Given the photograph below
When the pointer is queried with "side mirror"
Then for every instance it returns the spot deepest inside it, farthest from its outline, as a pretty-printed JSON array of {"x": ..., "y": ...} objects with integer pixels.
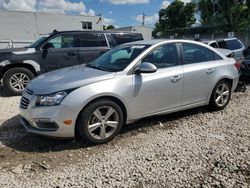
[
  {"x": 146, "y": 67},
  {"x": 48, "y": 45}
]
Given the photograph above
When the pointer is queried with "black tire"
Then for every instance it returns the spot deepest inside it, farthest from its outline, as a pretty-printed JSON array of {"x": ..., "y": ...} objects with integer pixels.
[
  {"x": 88, "y": 113},
  {"x": 213, "y": 104},
  {"x": 9, "y": 74}
]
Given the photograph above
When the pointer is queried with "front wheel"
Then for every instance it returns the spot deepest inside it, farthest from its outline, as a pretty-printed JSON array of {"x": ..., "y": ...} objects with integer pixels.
[
  {"x": 100, "y": 122},
  {"x": 221, "y": 95},
  {"x": 16, "y": 79}
]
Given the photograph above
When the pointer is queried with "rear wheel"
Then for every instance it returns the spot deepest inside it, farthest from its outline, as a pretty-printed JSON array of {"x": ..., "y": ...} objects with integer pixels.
[
  {"x": 221, "y": 95},
  {"x": 15, "y": 80},
  {"x": 100, "y": 122}
]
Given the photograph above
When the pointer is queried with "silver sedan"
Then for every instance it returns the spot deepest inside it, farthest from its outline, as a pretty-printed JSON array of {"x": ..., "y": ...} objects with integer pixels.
[{"x": 130, "y": 82}]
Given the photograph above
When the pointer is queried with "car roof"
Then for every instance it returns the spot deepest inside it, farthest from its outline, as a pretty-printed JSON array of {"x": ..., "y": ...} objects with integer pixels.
[
  {"x": 93, "y": 31},
  {"x": 158, "y": 41},
  {"x": 218, "y": 40}
]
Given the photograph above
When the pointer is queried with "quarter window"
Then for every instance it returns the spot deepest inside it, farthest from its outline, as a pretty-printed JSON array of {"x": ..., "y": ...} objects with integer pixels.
[
  {"x": 194, "y": 53},
  {"x": 61, "y": 41},
  {"x": 163, "y": 56},
  {"x": 86, "y": 25},
  {"x": 92, "y": 40}
]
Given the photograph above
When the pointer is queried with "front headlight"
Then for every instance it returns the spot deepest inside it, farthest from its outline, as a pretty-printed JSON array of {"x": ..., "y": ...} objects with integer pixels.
[{"x": 52, "y": 99}]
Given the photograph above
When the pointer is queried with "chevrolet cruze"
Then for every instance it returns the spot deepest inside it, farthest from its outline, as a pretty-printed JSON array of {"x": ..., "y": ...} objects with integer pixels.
[{"x": 130, "y": 82}]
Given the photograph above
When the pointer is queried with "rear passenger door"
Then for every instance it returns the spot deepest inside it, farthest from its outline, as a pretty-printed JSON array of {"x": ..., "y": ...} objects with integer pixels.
[
  {"x": 199, "y": 65},
  {"x": 91, "y": 46}
]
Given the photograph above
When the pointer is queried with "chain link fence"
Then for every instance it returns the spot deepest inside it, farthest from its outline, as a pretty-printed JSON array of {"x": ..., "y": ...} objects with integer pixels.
[{"x": 14, "y": 43}]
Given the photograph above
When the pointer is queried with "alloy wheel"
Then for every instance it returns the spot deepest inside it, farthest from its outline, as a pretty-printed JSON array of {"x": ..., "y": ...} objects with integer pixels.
[
  {"x": 222, "y": 94},
  {"x": 103, "y": 122},
  {"x": 19, "y": 81}
]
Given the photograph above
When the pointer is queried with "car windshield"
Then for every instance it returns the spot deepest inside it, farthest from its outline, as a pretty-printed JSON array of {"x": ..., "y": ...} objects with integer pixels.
[
  {"x": 117, "y": 59},
  {"x": 37, "y": 42}
]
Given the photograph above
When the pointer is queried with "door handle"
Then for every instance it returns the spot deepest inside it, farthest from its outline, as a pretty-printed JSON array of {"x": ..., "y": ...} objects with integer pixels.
[
  {"x": 209, "y": 71},
  {"x": 72, "y": 53},
  {"x": 175, "y": 78}
]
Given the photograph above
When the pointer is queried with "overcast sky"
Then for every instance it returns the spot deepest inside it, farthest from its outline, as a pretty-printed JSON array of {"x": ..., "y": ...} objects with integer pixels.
[{"x": 116, "y": 12}]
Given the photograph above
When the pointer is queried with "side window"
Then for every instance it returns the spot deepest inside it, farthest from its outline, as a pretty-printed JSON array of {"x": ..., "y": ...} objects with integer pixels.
[
  {"x": 214, "y": 45},
  {"x": 163, "y": 56},
  {"x": 61, "y": 41},
  {"x": 111, "y": 40},
  {"x": 124, "y": 38},
  {"x": 194, "y": 53},
  {"x": 91, "y": 40}
]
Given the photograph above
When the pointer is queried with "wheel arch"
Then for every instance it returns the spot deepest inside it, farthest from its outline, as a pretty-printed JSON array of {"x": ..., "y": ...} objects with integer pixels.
[
  {"x": 229, "y": 79},
  {"x": 19, "y": 65},
  {"x": 106, "y": 97}
]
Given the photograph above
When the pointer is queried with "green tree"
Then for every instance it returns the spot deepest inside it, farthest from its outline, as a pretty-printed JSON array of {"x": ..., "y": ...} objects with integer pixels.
[
  {"x": 177, "y": 15},
  {"x": 157, "y": 32},
  {"x": 108, "y": 27},
  {"x": 229, "y": 15}
]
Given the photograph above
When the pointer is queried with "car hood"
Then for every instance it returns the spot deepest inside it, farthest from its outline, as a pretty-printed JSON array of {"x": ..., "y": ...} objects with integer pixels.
[
  {"x": 67, "y": 78},
  {"x": 6, "y": 50}
]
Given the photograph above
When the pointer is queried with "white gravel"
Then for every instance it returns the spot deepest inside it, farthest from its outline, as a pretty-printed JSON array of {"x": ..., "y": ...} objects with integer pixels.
[{"x": 195, "y": 148}]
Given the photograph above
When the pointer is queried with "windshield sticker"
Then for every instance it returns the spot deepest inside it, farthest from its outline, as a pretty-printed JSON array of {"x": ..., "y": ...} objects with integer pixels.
[{"x": 138, "y": 47}]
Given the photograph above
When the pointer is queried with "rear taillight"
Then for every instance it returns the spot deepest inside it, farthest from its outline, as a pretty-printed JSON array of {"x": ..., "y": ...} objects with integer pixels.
[{"x": 237, "y": 64}]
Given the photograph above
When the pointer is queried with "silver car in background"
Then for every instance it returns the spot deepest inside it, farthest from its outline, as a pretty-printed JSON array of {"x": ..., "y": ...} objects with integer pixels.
[{"x": 130, "y": 82}]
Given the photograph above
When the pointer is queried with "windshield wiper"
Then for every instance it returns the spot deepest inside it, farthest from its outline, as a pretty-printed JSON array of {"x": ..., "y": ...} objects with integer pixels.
[{"x": 98, "y": 68}]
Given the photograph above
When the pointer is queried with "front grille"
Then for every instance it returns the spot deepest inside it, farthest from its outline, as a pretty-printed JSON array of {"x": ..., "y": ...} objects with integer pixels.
[
  {"x": 29, "y": 91},
  {"x": 24, "y": 103}
]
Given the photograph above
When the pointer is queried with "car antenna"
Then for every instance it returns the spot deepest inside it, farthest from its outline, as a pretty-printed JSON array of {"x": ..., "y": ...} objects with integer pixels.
[{"x": 54, "y": 31}]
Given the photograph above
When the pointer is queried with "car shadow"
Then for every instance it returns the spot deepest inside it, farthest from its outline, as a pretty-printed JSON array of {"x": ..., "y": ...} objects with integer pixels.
[
  {"x": 3, "y": 93},
  {"x": 14, "y": 136}
]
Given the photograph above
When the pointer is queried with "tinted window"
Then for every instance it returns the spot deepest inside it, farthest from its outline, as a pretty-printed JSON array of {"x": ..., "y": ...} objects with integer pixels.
[
  {"x": 118, "y": 58},
  {"x": 163, "y": 56},
  {"x": 194, "y": 53},
  {"x": 234, "y": 44},
  {"x": 214, "y": 45},
  {"x": 112, "y": 42},
  {"x": 91, "y": 40},
  {"x": 127, "y": 37},
  {"x": 61, "y": 41},
  {"x": 230, "y": 44}
]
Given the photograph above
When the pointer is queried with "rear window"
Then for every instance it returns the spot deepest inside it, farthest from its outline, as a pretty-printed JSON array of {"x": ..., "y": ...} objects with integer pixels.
[
  {"x": 230, "y": 44},
  {"x": 124, "y": 38},
  {"x": 91, "y": 40}
]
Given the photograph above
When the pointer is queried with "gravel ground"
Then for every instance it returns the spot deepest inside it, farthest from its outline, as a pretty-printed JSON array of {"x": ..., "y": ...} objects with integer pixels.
[{"x": 194, "y": 148}]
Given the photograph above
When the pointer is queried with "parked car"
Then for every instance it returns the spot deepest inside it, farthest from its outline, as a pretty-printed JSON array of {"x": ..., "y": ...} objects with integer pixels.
[
  {"x": 130, "y": 82},
  {"x": 232, "y": 44},
  {"x": 245, "y": 66},
  {"x": 59, "y": 50}
]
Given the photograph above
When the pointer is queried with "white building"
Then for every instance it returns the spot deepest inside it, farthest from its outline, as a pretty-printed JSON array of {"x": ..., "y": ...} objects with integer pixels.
[
  {"x": 20, "y": 28},
  {"x": 145, "y": 31}
]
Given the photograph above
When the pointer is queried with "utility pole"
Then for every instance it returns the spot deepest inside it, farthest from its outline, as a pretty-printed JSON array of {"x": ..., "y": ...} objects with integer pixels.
[{"x": 143, "y": 18}]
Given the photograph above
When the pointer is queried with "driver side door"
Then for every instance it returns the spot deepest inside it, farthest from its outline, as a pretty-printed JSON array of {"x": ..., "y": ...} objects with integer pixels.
[
  {"x": 160, "y": 91},
  {"x": 59, "y": 52}
]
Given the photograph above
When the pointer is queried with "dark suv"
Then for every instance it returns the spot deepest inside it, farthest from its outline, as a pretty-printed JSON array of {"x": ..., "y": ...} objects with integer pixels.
[{"x": 61, "y": 49}]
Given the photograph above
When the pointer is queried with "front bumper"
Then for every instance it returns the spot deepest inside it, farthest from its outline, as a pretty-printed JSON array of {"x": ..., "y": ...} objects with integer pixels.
[{"x": 48, "y": 121}]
